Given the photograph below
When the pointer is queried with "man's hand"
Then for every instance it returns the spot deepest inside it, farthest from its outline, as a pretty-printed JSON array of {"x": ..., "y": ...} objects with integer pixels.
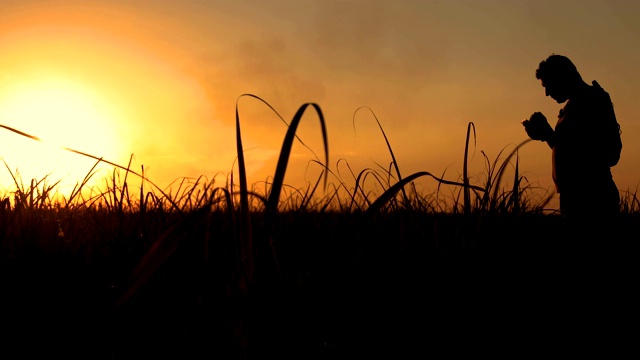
[{"x": 537, "y": 127}]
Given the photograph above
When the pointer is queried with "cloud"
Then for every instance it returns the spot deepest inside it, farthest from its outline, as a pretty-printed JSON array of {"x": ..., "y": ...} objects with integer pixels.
[{"x": 381, "y": 38}]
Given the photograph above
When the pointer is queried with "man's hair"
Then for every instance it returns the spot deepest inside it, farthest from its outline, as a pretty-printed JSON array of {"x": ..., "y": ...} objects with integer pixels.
[{"x": 557, "y": 67}]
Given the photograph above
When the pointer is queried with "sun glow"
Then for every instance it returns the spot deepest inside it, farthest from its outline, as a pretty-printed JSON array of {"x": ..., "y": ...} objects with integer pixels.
[{"x": 63, "y": 114}]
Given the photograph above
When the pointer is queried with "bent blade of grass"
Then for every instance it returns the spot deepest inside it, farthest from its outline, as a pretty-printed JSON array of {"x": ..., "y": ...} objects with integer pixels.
[
  {"x": 77, "y": 189},
  {"x": 393, "y": 157},
  {"x": 516, "y": 189},
  {"x": 500, "y": 173},
  {"x": 244, "y": 230},
  {"x": 125, "y": 187},
  {"x": 143, "y": 201},
  {"x": 285, "y": 151},
  {"x": 273, "y": 199},
  {"x": 362, "y": 176},
  {"x": 465, "y": 171},
  {"x": 245, "y": 223},
  {"x": 310, "y": 193},
  {"x": 393, "y": 190}
]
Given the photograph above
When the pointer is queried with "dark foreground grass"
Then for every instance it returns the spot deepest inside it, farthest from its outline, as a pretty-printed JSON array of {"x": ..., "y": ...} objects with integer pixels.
[
  {"x": 210, "y": 271},
  {"x": 343, "y": 285}
]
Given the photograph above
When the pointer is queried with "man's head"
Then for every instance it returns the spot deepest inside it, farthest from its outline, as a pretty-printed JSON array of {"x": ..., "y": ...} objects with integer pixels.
[{"x": 559, "y": 76}]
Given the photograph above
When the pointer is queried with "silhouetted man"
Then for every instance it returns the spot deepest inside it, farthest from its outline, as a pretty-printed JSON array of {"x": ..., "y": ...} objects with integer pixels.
[{"x": 585, "y": 145}]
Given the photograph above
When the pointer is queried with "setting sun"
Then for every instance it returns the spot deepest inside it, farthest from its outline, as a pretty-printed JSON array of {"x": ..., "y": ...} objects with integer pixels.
[
  {"x": 63, "y": 114},
  {"x": 319, "y": 178}
]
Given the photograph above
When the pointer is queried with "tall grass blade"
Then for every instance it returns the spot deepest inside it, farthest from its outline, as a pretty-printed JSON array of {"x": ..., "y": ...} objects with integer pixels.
[
  {"x": 393, "y": 157},
  {"x": 516, "y": 189},
  {"x": 285, "y": 152},
  {"x": 465, "y": 171},
  {"x": 500, "y": 173},
  {"x": 245, "y": 223},
  {"x": 246, "y": 237},
  {"x": 77, "y": 189}
]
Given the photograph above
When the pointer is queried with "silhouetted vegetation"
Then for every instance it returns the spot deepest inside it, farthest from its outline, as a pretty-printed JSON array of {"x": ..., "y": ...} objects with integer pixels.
[{"x": 220, "y": 270}]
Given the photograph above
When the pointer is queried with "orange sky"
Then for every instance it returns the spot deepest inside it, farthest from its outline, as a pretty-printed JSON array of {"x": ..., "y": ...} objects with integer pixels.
[{"x": 160, "y": 79}]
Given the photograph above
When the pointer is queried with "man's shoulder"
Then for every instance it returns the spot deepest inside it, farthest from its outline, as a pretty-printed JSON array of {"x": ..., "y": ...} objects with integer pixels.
[
  {"x": 594, "y": 97},
  {"x": 598, "y": 91}
]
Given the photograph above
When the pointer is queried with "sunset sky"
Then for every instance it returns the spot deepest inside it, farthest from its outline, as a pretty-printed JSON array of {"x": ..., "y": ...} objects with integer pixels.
[{"x": 160, "y": 80}]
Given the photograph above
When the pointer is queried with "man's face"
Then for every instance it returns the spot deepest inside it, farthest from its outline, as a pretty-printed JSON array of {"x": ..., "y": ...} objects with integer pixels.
[{"x": 555, "y": 89}]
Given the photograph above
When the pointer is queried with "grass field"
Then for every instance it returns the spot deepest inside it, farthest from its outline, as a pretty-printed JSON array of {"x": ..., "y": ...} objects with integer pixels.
[{"x": 225, "y": 272}]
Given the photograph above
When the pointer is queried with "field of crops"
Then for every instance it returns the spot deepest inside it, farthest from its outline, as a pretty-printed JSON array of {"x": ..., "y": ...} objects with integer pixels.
[{"x": 219, "y": 271}]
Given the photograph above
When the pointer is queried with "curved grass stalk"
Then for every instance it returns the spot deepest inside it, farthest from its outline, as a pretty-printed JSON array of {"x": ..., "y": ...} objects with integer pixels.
[
  {"x": 125, "y": 187},
  {"x": 465, "y": 171},
  {"x": 77, "y": 189},
  {"x": 393, "y": 157},
  {"x": 278, "y": 179},
  {"x": 504, "y": 165},
  {"x": 274, "y": 195},
  {"x": 393, "y": 190},
  {"x": 308, "y": 196},
  {"x": 362, "y": 176},
  {"x": 516, "y": 188}
]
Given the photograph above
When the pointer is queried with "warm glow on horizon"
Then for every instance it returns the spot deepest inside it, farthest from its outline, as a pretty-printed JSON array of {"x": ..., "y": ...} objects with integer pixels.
[
  {"x": 159, "y": 80},
  {"x": 62, "y": 114},
  {"x": 98, "y": 81}
]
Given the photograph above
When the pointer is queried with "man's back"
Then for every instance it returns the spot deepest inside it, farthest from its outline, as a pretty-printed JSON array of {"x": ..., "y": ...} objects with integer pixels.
[{"x": 587, "y": 141}]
